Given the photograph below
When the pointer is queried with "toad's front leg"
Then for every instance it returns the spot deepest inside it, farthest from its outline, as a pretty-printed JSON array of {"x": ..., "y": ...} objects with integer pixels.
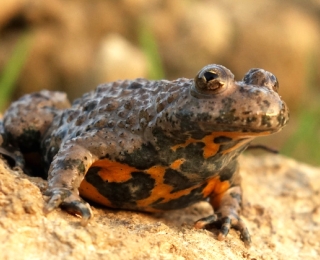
[
  {"x": 66, "y": 172},
  {"x": 227, "y": 206}
]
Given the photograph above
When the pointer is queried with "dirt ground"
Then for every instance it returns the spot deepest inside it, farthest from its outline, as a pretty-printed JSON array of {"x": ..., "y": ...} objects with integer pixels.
[{"x": 281, "y": 210}]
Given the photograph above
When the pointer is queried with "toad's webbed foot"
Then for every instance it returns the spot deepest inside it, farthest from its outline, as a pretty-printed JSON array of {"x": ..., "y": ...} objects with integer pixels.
[
  {"x": 225, "y": 222},
  {"x": 68, "y": 200}
]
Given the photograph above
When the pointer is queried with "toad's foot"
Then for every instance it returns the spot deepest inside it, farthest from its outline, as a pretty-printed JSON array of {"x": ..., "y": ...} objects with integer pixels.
[
  {"x": 225, "y": 222},
  {"x": 15, "y": 157},
  {"x": 70, "y": 201}
]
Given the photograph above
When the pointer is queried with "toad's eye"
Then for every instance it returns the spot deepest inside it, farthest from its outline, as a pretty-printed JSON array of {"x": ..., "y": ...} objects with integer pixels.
[
  {"x": 209, "y": 75},
  {"x": 212, "y": 79},
  {"x": 275, "y": 83},
  {"x": 260, "y": 77}
]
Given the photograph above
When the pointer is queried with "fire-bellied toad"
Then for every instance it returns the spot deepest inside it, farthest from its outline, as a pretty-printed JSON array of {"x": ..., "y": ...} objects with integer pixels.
[{"x": 150, "y": 145}]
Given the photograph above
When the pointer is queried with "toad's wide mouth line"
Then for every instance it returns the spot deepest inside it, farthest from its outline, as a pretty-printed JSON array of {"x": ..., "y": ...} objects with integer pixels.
[{"x": 241, "y": 129}]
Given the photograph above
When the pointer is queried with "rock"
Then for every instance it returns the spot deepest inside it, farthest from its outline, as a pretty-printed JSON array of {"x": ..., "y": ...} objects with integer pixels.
[
  {"x": 191, "y": 35},
  {"x": 8, "y": 9},
  {"x": 281, "y": 209},
  {"x": 117, "y": 57}
]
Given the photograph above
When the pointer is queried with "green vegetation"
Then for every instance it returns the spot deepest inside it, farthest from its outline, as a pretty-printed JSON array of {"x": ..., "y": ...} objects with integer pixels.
[
  {"x": 149, "y": 46},
  {"x": 12, "y": 70},
  {"x": 305, "y": 142}
]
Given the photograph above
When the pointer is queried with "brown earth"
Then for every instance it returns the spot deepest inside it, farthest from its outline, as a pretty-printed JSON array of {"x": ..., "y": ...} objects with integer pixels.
[{"x": 281, "y": 209}]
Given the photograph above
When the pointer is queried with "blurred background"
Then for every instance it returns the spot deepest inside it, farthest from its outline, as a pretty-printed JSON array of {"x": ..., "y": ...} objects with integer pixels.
[{"x": 74, "y": 45}]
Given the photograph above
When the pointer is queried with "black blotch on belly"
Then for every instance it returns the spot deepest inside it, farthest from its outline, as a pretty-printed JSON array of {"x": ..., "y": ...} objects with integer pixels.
[
  {"x": 222, "y": 139},
  {"x": 177, "y": 180},
  {"x": 184, "y": 201},
  {"x": 193, "y": 154},
  {"x": 142, "y": 158},
  {"x": 227, "y": 173},
  {"x": 122, "y": 193}
]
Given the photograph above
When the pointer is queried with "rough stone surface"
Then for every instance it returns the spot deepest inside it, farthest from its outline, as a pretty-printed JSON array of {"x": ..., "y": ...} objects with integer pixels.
[
  {"x": 116, "y": 57},
  {"x": 281, "y": 209}
]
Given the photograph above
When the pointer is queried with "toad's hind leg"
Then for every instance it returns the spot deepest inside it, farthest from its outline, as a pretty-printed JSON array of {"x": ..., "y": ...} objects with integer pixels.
[
  {"x": 27, "y": 119},
  {"x": 227, "y": 207},
  {"x": 24, "y": 125}
]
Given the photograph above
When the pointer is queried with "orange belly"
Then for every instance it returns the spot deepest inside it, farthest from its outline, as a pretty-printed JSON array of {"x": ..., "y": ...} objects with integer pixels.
[{"x": 113, "y": 176}]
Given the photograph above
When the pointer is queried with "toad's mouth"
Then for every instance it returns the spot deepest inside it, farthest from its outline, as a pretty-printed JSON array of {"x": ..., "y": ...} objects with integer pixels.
[
  {"x": 264, "y": 123},
  {"x": 241, "y": 129},
  {"x": 218, "y": 143}
]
